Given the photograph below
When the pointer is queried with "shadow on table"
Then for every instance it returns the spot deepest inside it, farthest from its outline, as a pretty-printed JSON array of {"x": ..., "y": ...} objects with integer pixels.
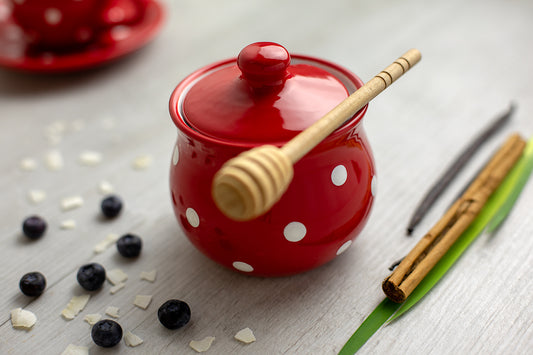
[
  {"x": 279, "y": 298},
  {"x": 21, "y": 83}
]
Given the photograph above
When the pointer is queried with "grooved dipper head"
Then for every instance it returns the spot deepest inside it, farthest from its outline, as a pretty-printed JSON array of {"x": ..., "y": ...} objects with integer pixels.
[{"x": 251, "y": 183}]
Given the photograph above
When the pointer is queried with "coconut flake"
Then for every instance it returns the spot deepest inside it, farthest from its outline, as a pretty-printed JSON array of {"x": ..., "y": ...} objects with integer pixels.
[
  {"x": 106, "y": 243},
  {"x": 132, "y": 340},
  {"x": 117, "y": 288},
  {"x": 54, "y": 160},
  {"x": 36, "y": 196},
  {"x": 90, "y": 158},
  {"x": 68, "y": 224},
  {"x": 112, "y": 311},
  {"x": 202, "y": 345},
  {"x": 71, "y": 202},
  {"x": 75, "y": 306},
  {"x": 142, "y": 162},
  {"x": 92, "y": 318},
  {"x": 75, "y": 350},
  {"x": 54, "y": 131},
  {"x": 142, "y": 301},
  {"x": 28, "y": 164},
  {"x": 116, "y": 276},
  {"x": 105, "y": 187},
  {"x": 148, "y": 275},
  {"x": 22, "y": 319},
  {"x": 56, "y": 127},
  {"x": 245, "y": 336}
]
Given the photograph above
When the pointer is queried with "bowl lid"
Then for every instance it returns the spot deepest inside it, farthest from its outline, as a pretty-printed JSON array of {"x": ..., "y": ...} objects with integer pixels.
[{"x": 261, "y": 97}]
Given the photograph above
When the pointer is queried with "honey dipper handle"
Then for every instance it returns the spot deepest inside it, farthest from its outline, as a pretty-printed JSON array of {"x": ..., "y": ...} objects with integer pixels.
[
  {"x": 248, "y": 185},
  {"x": 300, "y": 145}
]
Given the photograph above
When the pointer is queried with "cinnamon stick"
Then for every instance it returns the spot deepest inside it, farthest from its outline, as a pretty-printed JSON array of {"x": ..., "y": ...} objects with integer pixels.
[{"x": 416, "y": 265}]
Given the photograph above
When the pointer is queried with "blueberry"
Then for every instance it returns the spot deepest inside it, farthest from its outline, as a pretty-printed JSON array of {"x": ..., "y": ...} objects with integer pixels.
[
  {"x": 111, "y": 206},
  {"x": 174, "y": 314},
  {"x": 129, "y": 245},
  {"x": 34, "y": 227},
  {"x": 32, "y": 284},
  {"x": 91, "y": 276},
  {"x": 106, "y": 333}
]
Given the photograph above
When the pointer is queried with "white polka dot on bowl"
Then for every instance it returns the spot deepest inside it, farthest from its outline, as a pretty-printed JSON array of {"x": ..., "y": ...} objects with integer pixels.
[
  {"x": 339, "y": 175},
  {"x": 244, "y": 267},
  {"x": 120, "y": 32},
  {"x": 343, "y": 247},
  {"x": 175, "y": 155},
  {"x": 374, "y": 185},
  {"x": 192, "y": 217},
  {"x": 294, "y": 231},
  {"x": 52, "y": 16},
  {"x": 5, "y": 12}
]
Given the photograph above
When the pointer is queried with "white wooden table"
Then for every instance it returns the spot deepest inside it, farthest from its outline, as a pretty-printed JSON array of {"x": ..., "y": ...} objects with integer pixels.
[{"x": 477, "y": 57}]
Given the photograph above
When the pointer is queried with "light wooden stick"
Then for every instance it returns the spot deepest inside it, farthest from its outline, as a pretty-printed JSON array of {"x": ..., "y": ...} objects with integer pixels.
[
  {"x": 432, "y": 247},
  {"x": 251, "y": 183}
]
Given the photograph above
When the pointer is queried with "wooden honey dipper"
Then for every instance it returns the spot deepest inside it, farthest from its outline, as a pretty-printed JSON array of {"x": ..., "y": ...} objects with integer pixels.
[{"x": 248, "y": 185}]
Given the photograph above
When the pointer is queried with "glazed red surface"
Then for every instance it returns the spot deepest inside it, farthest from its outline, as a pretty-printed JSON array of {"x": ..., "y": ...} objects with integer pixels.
[
  {"x": 333, "y": 214},
  {"x": 71, "y": 16},
  {"x": 223, "y": 106},
  {"x": 111, "y": 43}
]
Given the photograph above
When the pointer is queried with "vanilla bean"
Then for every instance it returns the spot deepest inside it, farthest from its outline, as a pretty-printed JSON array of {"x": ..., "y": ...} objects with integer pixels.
[
  {"x": 443, "y": 182},
  {"x": 395, "y": 264}
]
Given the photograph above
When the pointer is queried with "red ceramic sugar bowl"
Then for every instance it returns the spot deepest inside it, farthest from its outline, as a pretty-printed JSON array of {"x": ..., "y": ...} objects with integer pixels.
[
  {"x": 267, "y": 96},
  {"x": 60, "y": 24}
]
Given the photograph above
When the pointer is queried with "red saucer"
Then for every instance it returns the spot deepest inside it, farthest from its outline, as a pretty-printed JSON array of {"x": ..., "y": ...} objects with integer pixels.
[{"x": 118, "y": 41}]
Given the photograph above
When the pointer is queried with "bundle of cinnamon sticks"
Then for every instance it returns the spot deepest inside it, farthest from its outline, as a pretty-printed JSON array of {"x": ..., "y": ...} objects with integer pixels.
[{"x": 430, "y": 249}]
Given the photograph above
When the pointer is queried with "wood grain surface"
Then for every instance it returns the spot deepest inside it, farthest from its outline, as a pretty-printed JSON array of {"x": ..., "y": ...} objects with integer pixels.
[{"x": 476, "y": 56}]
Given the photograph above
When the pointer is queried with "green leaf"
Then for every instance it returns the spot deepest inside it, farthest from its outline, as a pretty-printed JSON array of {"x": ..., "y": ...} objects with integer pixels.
[
  {"x": 371, "y": 325},
  {"x": 499, "y": 204},
  {"x": 524, "y": 168},
  {"x": 493, "y": 213}
]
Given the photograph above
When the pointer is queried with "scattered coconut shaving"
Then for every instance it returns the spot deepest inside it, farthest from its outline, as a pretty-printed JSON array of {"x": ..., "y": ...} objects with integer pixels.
[
  {"x": 75, "y": 350},
  {"x": 105, "y": 187},
  {"x": 71, "y": 202},
  {"x": 245, "y": 336},
  {"x": 142, "y": 162},
  {"x": 90, "y": 158},
  {"x": 54, "y": 160},
  {"x": 117, "y": 288},
  {"x": 22, "y": 319},
  {"x": 54, "y": 131},
  {"x": 116, "y": 276},
  {"x": 203, "y": 345},
  {"x": 148, "y": 275},
  {"x": 112, "y": 311},
  {"x": 28, "y": 164},
  {"x": 106, "y": 243},
  {"x": 68, "y": 224},
  {"x": 92, "y": 318},
  {"x": 132, "y": 340},
  {"x": 36, "y": 196},
  {"x": 142, "y": 301},
  {"x": 56, "y": 128},
  {"x": 75, "y": 306}
]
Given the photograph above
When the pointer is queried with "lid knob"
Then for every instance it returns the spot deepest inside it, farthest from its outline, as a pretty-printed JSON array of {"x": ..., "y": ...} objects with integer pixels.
[{"x": 264, "y": 64}]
